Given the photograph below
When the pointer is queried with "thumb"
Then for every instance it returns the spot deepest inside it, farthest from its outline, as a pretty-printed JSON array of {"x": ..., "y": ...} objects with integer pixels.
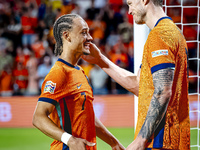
[{"x": 89, "y": 143}]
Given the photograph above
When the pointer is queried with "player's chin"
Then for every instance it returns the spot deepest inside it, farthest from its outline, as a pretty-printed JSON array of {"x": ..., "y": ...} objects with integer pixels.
[
  {"x": 140, "y": 22},
  {"x": 86, "y": 52}
]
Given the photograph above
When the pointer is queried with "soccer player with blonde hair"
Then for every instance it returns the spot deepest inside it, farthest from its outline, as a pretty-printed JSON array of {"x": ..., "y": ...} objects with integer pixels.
[{"x": 161, "y": 84}]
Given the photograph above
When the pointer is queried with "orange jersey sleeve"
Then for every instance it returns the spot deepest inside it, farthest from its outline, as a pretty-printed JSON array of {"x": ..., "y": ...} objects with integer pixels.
[{"x": 54, "y": 84}]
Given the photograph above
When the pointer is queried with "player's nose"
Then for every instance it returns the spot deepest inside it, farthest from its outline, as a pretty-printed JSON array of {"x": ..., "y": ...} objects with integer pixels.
[
  {"x": 130, "y": 12},
  {"x": 89, "y": 37}
]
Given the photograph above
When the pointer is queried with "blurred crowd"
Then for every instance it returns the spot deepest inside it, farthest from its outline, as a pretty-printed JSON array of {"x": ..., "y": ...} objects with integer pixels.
[{"x": 27, "y": 42}]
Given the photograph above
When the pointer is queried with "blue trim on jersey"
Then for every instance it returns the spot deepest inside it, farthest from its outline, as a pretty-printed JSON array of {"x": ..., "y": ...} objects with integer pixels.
[
  {"x": 162, "y": 66},
  {"x": 162, "y": 19},
  {"x": 158, "y": 140},
  {"x": 48, "y": 100},
  {"x": 147, "y": 148},
  {"x": 159, "y": 134},
  {"x": 68, "y": 64},
  {"x": 65, "y": 147},
  {"x": 88, "y": 81},
  {"x": 82, "y": 93}
]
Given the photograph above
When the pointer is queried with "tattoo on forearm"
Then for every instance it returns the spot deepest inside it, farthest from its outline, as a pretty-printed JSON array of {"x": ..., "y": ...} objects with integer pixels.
[{"x": 162, "y": 79}]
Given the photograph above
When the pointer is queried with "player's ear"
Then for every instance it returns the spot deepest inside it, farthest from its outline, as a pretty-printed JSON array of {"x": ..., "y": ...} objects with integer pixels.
[
  {"x": 145, "y": 2},
  {"x": 66, "y": 36}
]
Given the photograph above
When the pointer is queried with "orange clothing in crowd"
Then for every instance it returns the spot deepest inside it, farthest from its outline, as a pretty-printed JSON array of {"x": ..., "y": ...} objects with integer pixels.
[
  {"x": 28, "y": 24},
  {"x": 22, "y": 58},
  {"x": 66, "y": 9},
  {"x": 98, "y": 29},
  {"x": 119, "y": 58},
  {"x": 21, "y": 78},
  {"x": 6, "y": 82},
  {"x": 38, "y": 49}
]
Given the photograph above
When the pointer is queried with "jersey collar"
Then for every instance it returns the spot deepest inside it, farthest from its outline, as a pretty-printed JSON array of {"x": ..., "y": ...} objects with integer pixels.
[
  {"x": 68, "y": 64},
  {"x": 162, "y": 19}
]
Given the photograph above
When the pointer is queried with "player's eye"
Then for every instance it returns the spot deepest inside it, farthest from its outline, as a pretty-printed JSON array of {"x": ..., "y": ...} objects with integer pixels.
[
  {"x": 84, "y": 32},
  {"x": 129, "y": 3}
]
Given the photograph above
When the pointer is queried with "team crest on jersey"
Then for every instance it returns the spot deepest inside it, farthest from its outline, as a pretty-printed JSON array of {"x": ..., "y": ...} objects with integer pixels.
[
  {"x": 49, "y": 87},
  {"x": 159, "y": 52}
]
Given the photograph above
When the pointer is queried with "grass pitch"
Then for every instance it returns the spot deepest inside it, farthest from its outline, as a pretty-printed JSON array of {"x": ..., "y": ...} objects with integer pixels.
[{"x": 33, "y": 139}]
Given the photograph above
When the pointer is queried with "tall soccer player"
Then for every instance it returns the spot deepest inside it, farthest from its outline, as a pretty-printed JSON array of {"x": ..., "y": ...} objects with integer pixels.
[
  {"x": 64, "y": 110},
  {"x": 161, "y": 84}
]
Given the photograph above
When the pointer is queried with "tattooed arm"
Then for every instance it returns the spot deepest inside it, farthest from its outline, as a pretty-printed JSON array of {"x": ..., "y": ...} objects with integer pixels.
[{"x": 162, "y": 81}]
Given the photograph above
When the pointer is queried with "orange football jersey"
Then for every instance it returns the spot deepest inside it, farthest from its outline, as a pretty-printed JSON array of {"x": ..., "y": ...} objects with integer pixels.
[
  {"x": 67, "y": 87},
  {"x": 166, "y": 48}
]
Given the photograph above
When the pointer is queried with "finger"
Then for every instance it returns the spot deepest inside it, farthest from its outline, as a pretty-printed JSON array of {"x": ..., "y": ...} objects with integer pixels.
[
  {"x": 89, "y": 143},
  {"x": 92, "y": 44},
  {"x": 83, "y": 56}
]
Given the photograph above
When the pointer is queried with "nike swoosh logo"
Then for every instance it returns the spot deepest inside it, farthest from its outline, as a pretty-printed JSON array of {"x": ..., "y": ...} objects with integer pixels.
[{"x": 79, "y": 86}]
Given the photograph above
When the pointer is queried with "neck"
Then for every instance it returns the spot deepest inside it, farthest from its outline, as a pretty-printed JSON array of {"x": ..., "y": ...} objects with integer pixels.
[
  {"x": 154, "y": 14},
  {"x": 69, "y": 56}
]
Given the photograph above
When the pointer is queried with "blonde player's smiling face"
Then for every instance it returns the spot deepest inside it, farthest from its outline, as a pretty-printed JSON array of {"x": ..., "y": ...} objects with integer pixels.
[
  {"x": 81, "y": 37},
  {"x": 137, "y": 9}
]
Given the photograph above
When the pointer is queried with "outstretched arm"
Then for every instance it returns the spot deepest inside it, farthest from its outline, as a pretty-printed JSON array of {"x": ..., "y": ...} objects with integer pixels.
[
  {"x": 106, "y": 136},
  {"x": 48, "y": 127},
  {"x": 125, "y": 78},
  {"x": 162, "y": 81}
]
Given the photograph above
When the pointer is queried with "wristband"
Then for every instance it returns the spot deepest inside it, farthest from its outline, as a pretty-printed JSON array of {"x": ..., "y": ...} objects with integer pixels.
[{"x": 65, "y": 137}]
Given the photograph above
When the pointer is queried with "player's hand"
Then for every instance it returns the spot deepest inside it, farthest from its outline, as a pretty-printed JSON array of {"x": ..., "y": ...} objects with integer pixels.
[
  {"x": 119, "y": 146},
  {"x": 94, "y": 56},
  {"x": 136, "y": 146},
  {"x": 78, "y": 143}
]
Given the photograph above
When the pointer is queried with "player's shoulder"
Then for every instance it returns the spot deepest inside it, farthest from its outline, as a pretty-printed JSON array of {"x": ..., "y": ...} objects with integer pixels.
[
  {"x": 57, "y": 72},
  {"x": 165, "y": 28},
  {"x": 164, "y": 32},
  {"x": 56, "y": 78}
]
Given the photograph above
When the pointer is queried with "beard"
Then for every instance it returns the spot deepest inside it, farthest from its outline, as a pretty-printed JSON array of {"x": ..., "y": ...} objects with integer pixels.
[
  {"x": 139, "y": 22},
  {"x": 140, "y": 18}
]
